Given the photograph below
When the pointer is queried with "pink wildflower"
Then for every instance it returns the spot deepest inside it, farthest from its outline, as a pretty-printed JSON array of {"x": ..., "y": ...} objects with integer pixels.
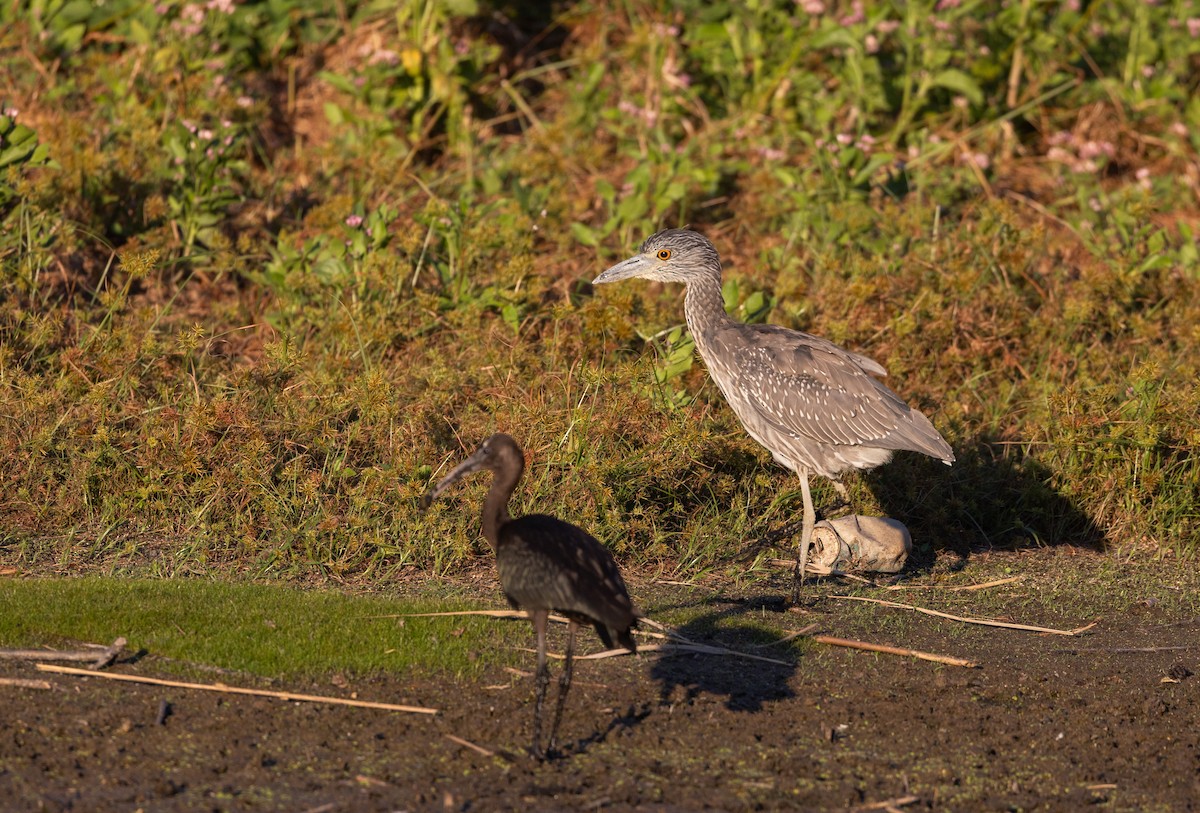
[{"x": 856, "y": 15}]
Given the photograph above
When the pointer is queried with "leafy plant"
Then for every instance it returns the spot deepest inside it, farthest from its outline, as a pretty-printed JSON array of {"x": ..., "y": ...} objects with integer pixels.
[
  {"x": 208, "y": 168},
  {"x": 19, "y": 150}
]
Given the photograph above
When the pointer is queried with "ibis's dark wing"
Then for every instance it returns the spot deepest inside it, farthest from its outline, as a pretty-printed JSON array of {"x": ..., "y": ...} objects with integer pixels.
[
  {"x": 809, "y": 387},
  {"x": 545, "y": 563}
]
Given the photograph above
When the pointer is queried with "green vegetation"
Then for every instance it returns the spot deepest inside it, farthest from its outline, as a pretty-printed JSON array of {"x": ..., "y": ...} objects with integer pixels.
[
  {"x": 267, "y": 270},
  {"x": 262, "y": 629}
]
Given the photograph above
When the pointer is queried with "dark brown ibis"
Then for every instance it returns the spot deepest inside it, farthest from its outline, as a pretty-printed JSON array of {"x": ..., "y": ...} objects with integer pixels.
[{"x": 546, "y": 565}]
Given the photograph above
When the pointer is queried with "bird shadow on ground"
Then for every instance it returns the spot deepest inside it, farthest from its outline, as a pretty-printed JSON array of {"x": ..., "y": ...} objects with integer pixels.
[
  {"x": 994, "y": 497},
  {"x": 745, "y": 684},
  {"x": 621, "y": 723}
]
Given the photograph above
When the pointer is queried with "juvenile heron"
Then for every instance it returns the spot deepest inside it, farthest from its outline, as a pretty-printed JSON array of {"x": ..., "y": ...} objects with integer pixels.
[
  {"x": 546, "y": 564},
  {"x": 816, "y": 407}
]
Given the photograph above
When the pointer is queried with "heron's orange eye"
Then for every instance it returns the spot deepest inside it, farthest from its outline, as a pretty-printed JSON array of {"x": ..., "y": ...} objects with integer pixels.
[{"x": 664, "y": 254}]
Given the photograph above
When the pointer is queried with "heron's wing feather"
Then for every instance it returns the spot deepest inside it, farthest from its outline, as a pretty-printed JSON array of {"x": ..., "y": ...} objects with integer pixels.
[
  {"x": 768, "y": 334},
  {"x": 811, "y": 388}
]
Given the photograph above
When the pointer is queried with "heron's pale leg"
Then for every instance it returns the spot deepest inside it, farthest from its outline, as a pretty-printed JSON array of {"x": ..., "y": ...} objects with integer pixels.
[
  {"x": 806, "y": 532},
  {"x": 564, "y": 685},
  {"x": 542, "y": 679}
]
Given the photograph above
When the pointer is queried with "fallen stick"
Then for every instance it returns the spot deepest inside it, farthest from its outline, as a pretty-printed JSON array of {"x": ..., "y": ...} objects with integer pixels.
[
  {"x": 890, "y": 804},
  {"x": 987, "y": 622},
  {"x": 479, "y": 749},
  {"x": 959, "y": 588},
  {"x": 673, "y": 647},
  {"x": 25, "y": 683},
  {"x": 100, "y": 659},
  {"x": 519, "y": 615},
  {"x": 817, "y": 570},
  {"x": 488, "y": 613},
  {"x": 894, "y": 650},
  {"x": 1127, "y": 650},
  {"x": 791, "y": 636},
  {"x": 682, "y": 643},
  {"x": 222, "y": 688}
]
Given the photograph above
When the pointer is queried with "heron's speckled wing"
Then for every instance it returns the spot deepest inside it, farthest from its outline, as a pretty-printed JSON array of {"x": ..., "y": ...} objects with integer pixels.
[{"x": 809, "y": 387}]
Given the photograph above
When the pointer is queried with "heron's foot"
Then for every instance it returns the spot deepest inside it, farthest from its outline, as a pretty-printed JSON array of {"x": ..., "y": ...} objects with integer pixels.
[{"x": 795, "y": 603}]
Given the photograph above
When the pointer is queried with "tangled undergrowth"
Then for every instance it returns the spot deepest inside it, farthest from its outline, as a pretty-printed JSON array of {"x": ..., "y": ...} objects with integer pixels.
[{"x": 268, "y": 270}]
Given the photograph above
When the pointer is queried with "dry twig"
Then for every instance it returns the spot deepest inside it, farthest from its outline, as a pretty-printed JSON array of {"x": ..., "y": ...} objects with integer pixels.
[
  {"x": 894, "y": 650},
  {"x": 987, "y": 622},
  {"x": 888, "y": 805},
  {"x": 791, "y": 636},
  {"x": 520, "y": 615},
  {"x": 817, "y": 570},
  {"x": 479, "y": 749},
  {"x": 959, "y": 588},
  {"x": 673, "y": 647},
  {"x": 100, "y": 659},
  {"x": 25, "y": 683},
  {"x": 221, "y": 687}
]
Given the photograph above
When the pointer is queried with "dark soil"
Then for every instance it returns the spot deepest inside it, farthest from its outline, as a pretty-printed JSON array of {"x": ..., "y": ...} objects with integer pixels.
[{"x": 1108, "y": 721}]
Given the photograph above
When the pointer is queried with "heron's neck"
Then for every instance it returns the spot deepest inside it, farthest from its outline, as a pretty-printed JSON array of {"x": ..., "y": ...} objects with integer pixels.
[
  {"x": 704, "y": 306},
  {"x": 495, "y": 506}
]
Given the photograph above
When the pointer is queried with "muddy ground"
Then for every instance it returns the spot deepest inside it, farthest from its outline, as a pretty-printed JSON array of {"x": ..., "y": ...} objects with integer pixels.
[{"x": 1108, "y": 720}]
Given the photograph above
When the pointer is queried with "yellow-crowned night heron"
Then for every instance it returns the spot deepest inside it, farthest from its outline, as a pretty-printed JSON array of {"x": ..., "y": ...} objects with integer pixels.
[
  {"x": 546, "y": 564},
  {"x": 816, "y": 407}
]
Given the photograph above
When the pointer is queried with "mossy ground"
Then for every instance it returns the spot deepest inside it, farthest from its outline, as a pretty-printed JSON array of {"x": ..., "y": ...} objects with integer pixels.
[
  {"x": 1046, "y": 721},
  {"x": 256, "y": 298}
]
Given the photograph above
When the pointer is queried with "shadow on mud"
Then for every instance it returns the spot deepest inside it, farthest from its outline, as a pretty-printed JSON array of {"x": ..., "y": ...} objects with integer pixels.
[
  {"x": 746, "y": 684},
  {"x": 621, "y": 723}
]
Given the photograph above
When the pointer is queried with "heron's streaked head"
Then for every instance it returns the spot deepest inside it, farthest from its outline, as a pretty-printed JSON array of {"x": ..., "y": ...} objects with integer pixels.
[
  {"x": 673, "y": 255},
  {"x": 499, "y": 453}
]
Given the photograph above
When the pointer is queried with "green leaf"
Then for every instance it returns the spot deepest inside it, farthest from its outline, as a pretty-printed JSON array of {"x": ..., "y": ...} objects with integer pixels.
[
  {"x": 511, "y": 315},
  {"x": 334, "y": 114},
  {"x": 585, "y": 235},
  {"x": 632, "y": 207},
  {"x": 836, "y": 38},
  {"x": 876, "y": 161},
  {"x": 955, "y": 80}
]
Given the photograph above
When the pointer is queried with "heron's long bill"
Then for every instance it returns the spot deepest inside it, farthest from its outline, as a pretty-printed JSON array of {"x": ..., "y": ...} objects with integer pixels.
[
  {"x": 635, "y": 266},
  {"x": 471, "y": 464}
]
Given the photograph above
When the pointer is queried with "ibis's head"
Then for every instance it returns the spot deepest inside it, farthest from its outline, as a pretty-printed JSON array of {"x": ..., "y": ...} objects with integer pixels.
[{"x": 499, "y": 453}]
